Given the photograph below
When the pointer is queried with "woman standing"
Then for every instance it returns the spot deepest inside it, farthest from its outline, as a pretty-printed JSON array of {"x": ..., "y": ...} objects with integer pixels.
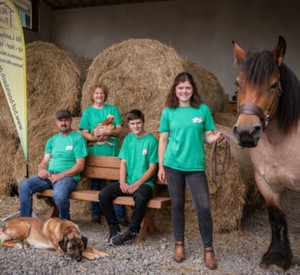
[
  {"x": 185, "y": 124},
  {"x": 107, "y": 143}
]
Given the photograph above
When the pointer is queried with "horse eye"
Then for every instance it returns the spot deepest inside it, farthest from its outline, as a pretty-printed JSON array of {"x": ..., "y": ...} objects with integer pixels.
[{"x": 274, "y": 86}]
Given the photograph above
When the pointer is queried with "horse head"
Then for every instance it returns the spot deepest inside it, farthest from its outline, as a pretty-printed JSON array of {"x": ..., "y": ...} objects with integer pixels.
[{"x": 259, "y": 88}]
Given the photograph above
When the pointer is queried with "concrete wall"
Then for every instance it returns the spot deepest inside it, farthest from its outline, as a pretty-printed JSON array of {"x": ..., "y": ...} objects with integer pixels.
[
  {"x": 199, "y": 30},
  {"x": 44, "y": 33}
]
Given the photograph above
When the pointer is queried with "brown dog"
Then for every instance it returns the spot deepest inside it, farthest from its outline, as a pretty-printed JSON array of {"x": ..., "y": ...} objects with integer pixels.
[{"x": 61, "y": 235}]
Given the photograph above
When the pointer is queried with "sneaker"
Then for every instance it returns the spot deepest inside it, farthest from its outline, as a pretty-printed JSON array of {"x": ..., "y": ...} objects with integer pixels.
[
  {"x": 122, "y": 238},
  {"x": 114, "y": 230}
]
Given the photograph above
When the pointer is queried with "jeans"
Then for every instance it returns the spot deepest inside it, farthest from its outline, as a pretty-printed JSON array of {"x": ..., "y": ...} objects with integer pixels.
[
  {"x": 61, "y": 191},
  {"x": 96, "y": 208},
  {"x": 141, "y": 197},
  {"x": 198, "y": 189}
]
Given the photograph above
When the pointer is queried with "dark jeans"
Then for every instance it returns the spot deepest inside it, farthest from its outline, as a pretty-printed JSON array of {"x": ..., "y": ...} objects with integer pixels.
[
  {"x": 95, "y": 206},
  {"x": 198, "y": 188},
  {"x": 141, "y": 197}
]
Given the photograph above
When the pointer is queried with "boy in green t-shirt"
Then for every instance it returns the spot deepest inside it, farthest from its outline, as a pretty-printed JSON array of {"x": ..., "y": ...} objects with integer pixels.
[{"x": 139, "y": 158}]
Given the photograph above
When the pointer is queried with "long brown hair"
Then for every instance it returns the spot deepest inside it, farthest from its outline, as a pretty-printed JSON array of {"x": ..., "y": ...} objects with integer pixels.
[{"x": 172, "y": 100}]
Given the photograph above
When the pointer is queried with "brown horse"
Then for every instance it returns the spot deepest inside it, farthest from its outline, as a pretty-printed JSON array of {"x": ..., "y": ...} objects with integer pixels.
[{"x": 268, "y": 116}]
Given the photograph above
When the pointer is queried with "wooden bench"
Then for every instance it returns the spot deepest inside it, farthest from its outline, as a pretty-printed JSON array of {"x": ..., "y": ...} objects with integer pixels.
[{"x": 104, "y": 167}]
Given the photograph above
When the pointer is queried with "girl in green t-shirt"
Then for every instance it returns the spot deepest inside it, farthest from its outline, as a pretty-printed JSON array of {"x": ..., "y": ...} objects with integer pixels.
[{"x": 185, "y": 124}]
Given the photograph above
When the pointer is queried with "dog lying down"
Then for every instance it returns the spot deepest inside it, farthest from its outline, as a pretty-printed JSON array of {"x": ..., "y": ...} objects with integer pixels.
[{"x": 54, "y": 233}]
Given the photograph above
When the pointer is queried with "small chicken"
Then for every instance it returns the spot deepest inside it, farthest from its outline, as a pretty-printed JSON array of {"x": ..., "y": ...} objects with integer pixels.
[{"x": 106, "y": 124}]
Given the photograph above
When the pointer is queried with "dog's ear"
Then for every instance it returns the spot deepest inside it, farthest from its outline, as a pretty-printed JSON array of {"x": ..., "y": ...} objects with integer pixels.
[
  {"x": 84, "y": 240},
  {"x": 63, "y": 244}
]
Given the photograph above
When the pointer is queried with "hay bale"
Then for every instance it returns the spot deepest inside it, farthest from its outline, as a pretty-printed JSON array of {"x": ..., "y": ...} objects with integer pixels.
[
  {"x": 225, "y": 119},
  {"x": 138, "y": 74},
  {"x": 211, "y": 91},
  {"x": 53, "y": 81}
]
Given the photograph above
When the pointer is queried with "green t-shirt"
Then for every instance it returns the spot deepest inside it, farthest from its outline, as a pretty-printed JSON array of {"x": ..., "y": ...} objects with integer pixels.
[
  {"x": 64, "y": 152},
  {"x": 139, "y": 153},
  {"x": 91, "y": 117},
  {"x": 186, "y": 127}
]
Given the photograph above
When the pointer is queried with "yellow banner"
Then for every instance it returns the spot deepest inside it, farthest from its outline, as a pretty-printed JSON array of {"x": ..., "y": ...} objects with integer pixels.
[{"x": 13, "y": 68}]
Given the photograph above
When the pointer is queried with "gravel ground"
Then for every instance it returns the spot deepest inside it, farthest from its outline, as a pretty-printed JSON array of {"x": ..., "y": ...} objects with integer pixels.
[{"x": 237, "y": 252}]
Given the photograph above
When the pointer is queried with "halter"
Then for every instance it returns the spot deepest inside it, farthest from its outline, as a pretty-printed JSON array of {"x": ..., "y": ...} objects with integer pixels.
[{"x": 252, "y": 109}]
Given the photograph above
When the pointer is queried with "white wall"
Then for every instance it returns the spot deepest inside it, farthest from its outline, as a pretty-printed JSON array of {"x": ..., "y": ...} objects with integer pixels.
[{"x": 200, "y": 30}]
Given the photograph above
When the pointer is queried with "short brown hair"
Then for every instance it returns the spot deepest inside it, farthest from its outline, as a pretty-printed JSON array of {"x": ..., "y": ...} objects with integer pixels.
[
  {"x": 135, "y": 114},
  {"x": 101, "y": 86}
]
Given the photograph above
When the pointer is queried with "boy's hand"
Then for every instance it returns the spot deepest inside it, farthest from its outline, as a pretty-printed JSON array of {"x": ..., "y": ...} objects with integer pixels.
[
  {"x": 132, "y": 188},
  {"x": 124, "y": 187}
]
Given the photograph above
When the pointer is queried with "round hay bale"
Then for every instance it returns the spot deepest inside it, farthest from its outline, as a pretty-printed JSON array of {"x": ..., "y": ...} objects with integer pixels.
[
  {"x": 138, "y": 74},
  {"x": 211, "y": 91},
  {"x": 9, "y": 144},
  {"x": 53, "y": 81},
  {"x": 225, "y": 119}
]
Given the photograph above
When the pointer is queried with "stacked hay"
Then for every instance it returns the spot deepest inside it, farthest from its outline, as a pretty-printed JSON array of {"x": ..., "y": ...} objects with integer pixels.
[
  {"x": 209, "y": 87},
  {"x": 138, "y": 74},
  {"x": 53, "y": 81}
]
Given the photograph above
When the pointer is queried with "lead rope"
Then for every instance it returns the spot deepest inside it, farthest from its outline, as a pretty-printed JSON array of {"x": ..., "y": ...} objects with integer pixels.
[{"x": 214, "y": 174}]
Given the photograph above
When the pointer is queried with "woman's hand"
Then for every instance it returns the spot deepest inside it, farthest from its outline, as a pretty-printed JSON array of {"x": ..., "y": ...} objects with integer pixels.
[{"x": 161, "y": 174}]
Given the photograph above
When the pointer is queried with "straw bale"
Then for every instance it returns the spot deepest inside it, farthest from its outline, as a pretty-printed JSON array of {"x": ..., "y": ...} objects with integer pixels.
[
  {"x": 225, "y": 119},
  {"x": 53, "y": 80},
  {"x": 211, "y": 91},
  {"x": 138, "y": 74}
]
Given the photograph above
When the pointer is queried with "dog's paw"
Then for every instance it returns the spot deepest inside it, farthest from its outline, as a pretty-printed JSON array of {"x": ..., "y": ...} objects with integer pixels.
[{"x": 19, "y": 245}]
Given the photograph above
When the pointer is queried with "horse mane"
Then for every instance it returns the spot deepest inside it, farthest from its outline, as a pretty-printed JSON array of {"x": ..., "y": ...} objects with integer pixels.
[{"x": 258, "y": 66}]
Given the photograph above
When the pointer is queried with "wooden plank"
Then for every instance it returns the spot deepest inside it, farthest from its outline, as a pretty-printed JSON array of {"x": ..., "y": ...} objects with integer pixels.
[
  {"x": 101, "y": 173},
  {"x": 101, "y": 161},
  {"x": 91, "y": 195}
]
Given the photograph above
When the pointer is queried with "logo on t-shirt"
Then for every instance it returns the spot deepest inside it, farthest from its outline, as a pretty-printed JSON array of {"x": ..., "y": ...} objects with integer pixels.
[
  {"x": 197, "y": 119},
  {"x": 144, "y": 152},
  {"x": 69, "y": 147}
]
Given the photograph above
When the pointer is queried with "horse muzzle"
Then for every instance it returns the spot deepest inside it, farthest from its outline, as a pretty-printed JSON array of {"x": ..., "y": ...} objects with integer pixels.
[{"x": 247, "y": 137}]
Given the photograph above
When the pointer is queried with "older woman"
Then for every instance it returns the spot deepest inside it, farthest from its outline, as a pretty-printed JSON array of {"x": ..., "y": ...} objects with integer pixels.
[{"x": 107, "y": 138}]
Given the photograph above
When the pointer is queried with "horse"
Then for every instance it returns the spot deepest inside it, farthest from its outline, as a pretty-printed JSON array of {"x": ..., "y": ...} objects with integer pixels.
[{"x": 268, "y": 105}]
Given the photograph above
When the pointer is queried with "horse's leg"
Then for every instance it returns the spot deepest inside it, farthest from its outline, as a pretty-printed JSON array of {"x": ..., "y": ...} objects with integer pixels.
[{"x": 279, "y": 252}]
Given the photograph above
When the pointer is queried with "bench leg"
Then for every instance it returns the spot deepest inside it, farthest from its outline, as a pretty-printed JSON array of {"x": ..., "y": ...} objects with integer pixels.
[
  {"x": 52, "y": 211},
  {"x": 147, "y": 227}
]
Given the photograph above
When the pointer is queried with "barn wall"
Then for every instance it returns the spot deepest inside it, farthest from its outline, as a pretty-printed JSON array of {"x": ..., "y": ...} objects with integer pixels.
[{"x": 199, "y": 30}]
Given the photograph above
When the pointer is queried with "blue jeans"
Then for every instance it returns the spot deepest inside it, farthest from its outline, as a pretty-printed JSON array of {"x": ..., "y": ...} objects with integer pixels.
[
  {"x": 141, "y": 197},
  {"x": 61, "y": 191},
  {"x": 198, "y": 189},
  {"x": 96, "y": 208}
]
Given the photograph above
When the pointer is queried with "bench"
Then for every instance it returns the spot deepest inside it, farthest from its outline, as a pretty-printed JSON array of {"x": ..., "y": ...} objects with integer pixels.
[{"x": 104, "y": 167}]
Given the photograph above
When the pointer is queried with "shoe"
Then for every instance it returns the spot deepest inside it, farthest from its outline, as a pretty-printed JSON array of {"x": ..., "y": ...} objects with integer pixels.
[
  {"x": 113, "y": 231},
  {"x": 96, "y": 220},
  {"x": 179, "y": 252},
  {"x": 209, "y": 258},
  {"x": 124, "y": 223},
  {"x": 122, "y": 238}
]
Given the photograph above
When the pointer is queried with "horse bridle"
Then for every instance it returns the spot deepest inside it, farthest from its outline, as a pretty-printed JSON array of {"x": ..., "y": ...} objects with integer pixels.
[{"x": 250, "y": 108}]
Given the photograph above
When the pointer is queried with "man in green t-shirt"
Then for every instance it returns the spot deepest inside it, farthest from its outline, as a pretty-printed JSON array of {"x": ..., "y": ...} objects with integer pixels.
[
  {"x": 139, "y": 158},
  {"x": 59, "y": 170}
]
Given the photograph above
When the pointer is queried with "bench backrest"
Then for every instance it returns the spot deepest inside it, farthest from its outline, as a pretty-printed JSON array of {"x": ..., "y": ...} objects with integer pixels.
[{"x": 102, "y": 167}]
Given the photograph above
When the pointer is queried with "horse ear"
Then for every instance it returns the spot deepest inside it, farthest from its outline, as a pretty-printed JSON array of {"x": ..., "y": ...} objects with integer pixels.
[
  {"x": 279, "y": 51},
  {"x": 239, "y": 53}
]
